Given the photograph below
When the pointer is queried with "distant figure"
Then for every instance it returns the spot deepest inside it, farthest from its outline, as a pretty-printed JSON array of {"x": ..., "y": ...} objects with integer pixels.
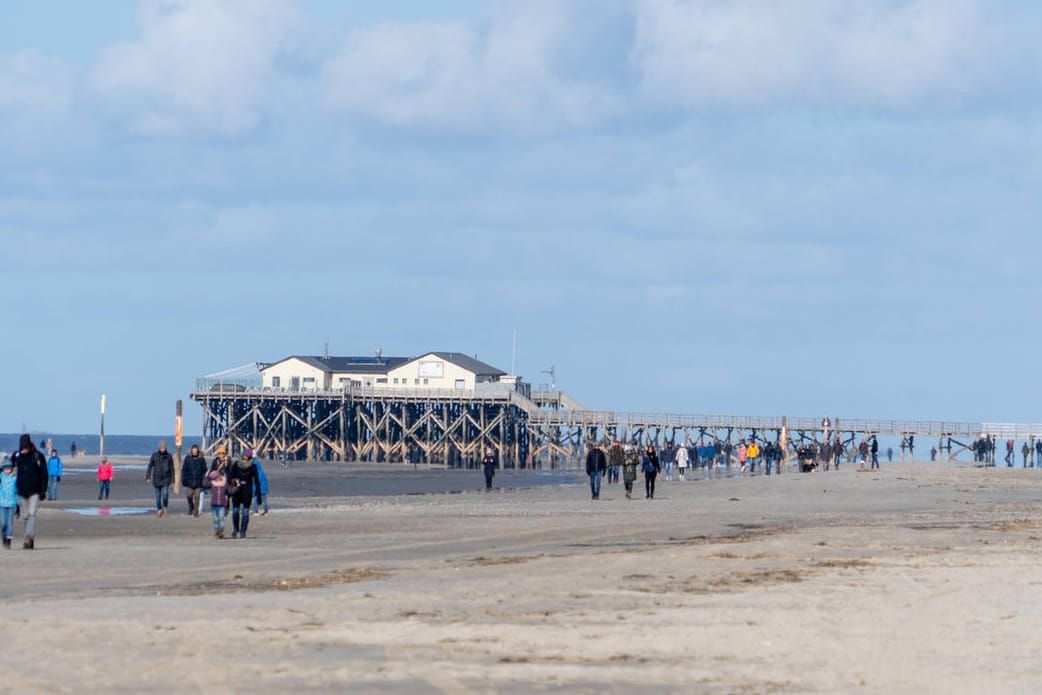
[
  {"x": 216, "y": 482},
  {"x": 651, "y": 470},
  {"x": 875, "y": 453},
  {"x": 262, "y": 501},
  {"x": 681, "y": 462},
  {"x": 743, "y": 453},
  {"x": 72, "y": 450},
  {"x": 1025, "y": 451},
  {"x": 630, "y": 460},
  {"x": 193, "y": 471},
  {"x": 54, "y": 474},
  {"x": 596, "y": 464},
  {"x": 104, "y": 478},
  {"x": 488, "y": 466},
  {"x": 1009, "y": 453},
  {"x": 8, "y": 501},
  {"x": 31, "y": 483},
  {"x": 243, "y": 488},
  {"x": 862, "y": 454},
  {"x": 160, "y": 473},
  {"x": 667, "y": 459},
  {"x": 837, "y": 452},
  {"x": 615, "y": 459},
  {"x": 752, "y": 455},
  {"x": 933, "y": 453},
  {"x": 890, "y": 454}
]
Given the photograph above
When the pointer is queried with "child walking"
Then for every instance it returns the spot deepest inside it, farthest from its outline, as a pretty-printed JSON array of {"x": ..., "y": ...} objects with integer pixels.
[
  {"x": 8, "y": 501},
  {"x": 104, "y": 478}
]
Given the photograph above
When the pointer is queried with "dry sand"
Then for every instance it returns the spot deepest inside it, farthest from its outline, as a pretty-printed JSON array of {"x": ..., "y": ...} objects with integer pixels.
[{"x": 920, "y": 578}]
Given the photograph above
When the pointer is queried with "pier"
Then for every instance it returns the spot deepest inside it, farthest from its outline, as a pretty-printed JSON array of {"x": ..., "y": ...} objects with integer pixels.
[{"x": 525, "y": 428}]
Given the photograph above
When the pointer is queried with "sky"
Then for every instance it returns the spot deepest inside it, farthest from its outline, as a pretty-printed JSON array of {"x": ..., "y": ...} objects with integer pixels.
[{"x": 751, "y": 207}]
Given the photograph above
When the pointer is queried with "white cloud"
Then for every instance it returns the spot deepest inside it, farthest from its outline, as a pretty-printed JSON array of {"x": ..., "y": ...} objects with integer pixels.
[
  {"x": 742, "y": 53},
  {"x": 199, "y": 65},
  {"x": 493, "y": 73}
]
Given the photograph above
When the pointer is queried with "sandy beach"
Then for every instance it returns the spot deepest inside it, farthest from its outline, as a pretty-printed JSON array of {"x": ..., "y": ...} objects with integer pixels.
[{"x": 919, "y": 578}]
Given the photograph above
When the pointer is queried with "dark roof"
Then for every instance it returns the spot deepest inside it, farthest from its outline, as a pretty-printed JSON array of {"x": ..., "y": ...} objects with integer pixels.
[
  {"x": 469, "y": 363},
  {"x": 351, "y": 365},
  {"x": 372, "y": 365}
]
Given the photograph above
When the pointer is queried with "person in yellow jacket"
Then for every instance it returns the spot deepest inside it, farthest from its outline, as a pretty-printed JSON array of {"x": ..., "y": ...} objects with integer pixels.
[{"x": 752, "y": 454}]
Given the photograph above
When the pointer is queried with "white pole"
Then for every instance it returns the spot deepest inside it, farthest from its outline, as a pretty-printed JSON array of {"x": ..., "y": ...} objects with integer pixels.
[{"x": 513, "y": 356}]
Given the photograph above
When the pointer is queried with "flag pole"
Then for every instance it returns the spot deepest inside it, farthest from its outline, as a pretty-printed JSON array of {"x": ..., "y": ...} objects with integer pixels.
[
  {"x": 178, "y": 438},
  {"x": 101, "y": 447}
]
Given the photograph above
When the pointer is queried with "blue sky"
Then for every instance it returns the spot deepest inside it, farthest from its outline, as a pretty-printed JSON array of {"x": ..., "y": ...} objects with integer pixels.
[{"x": 751, "y": 207}]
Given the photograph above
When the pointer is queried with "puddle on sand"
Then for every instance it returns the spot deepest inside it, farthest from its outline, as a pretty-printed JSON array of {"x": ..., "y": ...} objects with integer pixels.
[{"x": 108, "y": 511}]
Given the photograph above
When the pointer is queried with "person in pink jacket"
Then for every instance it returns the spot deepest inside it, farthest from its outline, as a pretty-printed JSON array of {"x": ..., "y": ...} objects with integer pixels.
[{"x": 104, "y": 478}]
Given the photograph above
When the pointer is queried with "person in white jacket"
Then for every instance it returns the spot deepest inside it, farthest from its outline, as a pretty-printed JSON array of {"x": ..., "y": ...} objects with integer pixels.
[{"x": 681, "y": 461}]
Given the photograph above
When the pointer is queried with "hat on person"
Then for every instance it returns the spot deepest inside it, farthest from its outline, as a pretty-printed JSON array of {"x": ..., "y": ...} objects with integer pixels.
[
  {"x": 8, "y": 463},
  {"x": 248, "y": 453}
]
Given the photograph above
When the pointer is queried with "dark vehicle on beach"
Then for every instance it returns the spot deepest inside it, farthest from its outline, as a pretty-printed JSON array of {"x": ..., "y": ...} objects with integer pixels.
[{"x": 807, "y": 455}]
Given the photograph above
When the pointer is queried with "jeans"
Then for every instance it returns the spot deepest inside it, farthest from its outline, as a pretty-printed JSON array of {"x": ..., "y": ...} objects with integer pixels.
[
  {"x": 263, "y": 503},
  {"x": 595, "y": 484},
  {"x": 218, "y": 517},
  {"x": 649, "y": 484},
  {"x": 6, "y": 522},
  {"x": 240, "y": 518},
  {"x": 875, "y": 460},
  {"x": 192, "y": 494},
  {"x": 29, "y": 505},
  {"x": 669, "y": 470},
  {"x": 52, "y": 487},
  {"x": 162, "y": 497},
  {"x": 103, "y": 488}
]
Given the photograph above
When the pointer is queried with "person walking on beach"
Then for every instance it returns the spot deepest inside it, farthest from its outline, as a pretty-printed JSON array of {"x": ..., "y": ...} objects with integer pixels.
[
  {"x": 160, "y": 473},
  {"x": 651, "y": 469},
  {"x": 261, "y": 508},
  {"x": 54, "y": 474},
  {"x": 216, "y": 482},
  {"x": 667, "y": 458},
  {"x": 31, "y": 483},
  {"x": 681, "y": 461},
  {"x": 488, "y": 467},
  {"x": 615, "y": 457},
  {"x": 8, "y": 501},
  {"x": 630, "y": 460},
  {"x": 193, "y": 470},
  {"x": 1025, "y": 451},
  {"x": 243, "y": 488},
  {"x": 890, "y": 454},
  {"x": 596, "y": 464},
  {"x": 875, "y": 453},
  {"x": 104, "y": 478}
]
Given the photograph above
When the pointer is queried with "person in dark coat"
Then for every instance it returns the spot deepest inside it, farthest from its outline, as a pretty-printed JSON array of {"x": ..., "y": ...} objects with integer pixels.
[
  {"x": 651, "y": 469},
  {"x": 488, "y": 466},
  {"x": 244, "y": 488},
  {"x": 193, "y": 470},
  {"x": 31, "y": 484},
  {"x": 596, "y": 464},
  {"x": 160, "y": 473}
]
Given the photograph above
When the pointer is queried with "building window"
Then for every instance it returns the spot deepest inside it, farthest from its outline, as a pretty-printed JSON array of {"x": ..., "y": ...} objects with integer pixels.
[
  {"x": 382, "y": 381},
  {"x": 276, "y": 382},
  {"x": 396, "y": 380},
  {"x": 461, "y": 384},
  {"x": 416, "y": 382},
  {"x": 426, "y": 381}
]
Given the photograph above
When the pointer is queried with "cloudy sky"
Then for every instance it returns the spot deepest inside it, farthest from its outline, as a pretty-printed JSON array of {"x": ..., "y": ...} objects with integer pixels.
[{"x": 747, "y": 206}]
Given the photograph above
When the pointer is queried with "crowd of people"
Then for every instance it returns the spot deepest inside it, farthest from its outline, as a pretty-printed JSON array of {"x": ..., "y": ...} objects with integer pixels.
[
  {"x": 746, "y": 456},
  {"x": 27, "y": 479}
]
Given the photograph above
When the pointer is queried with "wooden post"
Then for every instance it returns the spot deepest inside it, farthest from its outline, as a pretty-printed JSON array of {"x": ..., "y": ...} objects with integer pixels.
[{"x": 178, "y": 440}]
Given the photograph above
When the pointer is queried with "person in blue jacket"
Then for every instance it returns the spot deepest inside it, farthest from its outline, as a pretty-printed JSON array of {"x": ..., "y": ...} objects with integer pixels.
[
  {"x": 54, "y": 474},
  {"x": 262, "y": 502}
]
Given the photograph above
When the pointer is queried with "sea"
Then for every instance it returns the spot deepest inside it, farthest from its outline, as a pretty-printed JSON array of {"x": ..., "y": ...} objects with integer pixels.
[{"x": 115, "y": 444}]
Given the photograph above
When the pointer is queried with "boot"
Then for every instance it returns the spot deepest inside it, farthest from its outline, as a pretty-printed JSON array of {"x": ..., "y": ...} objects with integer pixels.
[
  {"x": 242, "y": 529},
  {"x": 28, "y": 544}
]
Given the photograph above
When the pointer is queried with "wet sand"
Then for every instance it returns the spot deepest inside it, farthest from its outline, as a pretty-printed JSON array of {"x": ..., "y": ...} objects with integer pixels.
[{"x": 918, "y": 578}]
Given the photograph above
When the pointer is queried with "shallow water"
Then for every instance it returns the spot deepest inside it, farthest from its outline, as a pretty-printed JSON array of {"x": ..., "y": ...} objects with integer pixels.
[{"x": 109, "y": 511}]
